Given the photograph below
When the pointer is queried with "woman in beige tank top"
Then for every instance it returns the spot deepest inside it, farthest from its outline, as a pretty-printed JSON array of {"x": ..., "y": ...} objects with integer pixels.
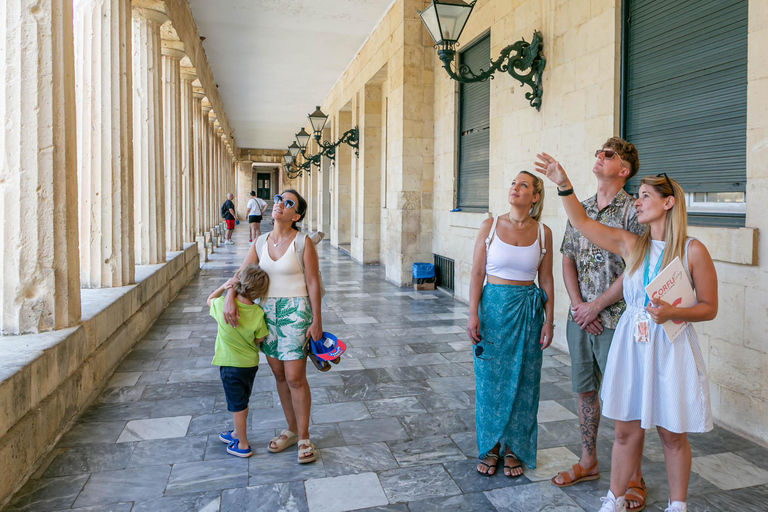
[{"x": 293, "y": 313}]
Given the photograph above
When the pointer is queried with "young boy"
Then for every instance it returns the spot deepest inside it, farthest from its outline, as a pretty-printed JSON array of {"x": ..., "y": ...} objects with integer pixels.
[{"x": 237, "y": 351}]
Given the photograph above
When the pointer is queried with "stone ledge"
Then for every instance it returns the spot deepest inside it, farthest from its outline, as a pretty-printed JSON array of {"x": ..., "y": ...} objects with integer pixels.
[
  {"x": 47, "y": 379},
  {"x": 729, "y": 245}
]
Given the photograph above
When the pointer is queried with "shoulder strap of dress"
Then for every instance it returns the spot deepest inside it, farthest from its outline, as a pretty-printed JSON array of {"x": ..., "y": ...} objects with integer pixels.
[
  {"x": 491, "y": 234},
  {"x": 542, "y": 242}
]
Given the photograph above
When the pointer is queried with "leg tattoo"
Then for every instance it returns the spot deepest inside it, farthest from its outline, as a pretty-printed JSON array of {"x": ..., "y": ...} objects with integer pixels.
[{"x": 590, "y": 420}]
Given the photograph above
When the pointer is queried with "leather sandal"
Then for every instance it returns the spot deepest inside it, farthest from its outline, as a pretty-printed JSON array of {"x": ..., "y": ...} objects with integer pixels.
[
  {"x": 308, "y": 448},
  {"x": 489, "y": 455},
  {"x": 513, "y": 466},
  {"x": 282, "y": 444},
  {"x": 579, "y": 473},
  {"x": 636, "y": 491}
]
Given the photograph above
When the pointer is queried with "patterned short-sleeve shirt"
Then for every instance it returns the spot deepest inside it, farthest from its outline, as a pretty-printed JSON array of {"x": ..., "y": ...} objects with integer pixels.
[{"x": 598, "y": 269}]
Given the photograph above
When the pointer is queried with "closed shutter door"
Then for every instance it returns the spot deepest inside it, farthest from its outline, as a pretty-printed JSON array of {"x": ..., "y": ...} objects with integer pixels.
[
  {"x": 474, "y": 129},
  {"x": 686, "y": 91}
]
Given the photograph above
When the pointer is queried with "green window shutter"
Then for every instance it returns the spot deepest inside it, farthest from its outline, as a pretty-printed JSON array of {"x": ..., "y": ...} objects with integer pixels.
[
  {"x": 474, "y": 130},
  {"x": 685, "y": 91}
]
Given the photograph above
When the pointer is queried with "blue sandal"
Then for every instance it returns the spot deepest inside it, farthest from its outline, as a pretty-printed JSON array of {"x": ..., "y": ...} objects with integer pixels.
[
  {"x": 226, "y": 437},
  {"x": 233, "y": 448}
]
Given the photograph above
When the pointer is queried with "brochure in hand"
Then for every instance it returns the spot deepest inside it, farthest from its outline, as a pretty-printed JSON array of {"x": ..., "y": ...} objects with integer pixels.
[{"x": 672, "y": 286}]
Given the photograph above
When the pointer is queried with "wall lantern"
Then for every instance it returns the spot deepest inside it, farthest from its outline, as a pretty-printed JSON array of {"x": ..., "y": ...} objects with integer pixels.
[
  {"x": 294, "y": 149},
  {"x": 445, "y": 21},
  {"x": 317, "y": 119},
  {"x": 303, "y": 139}
]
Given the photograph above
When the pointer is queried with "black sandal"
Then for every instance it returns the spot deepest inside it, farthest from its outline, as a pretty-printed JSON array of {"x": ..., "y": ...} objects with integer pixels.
[
  {"x": 488, "y": 467},
  {"x": 510, "y": 468}
]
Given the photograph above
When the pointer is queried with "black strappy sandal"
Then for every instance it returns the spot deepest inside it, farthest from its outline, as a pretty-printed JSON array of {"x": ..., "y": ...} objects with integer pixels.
[
  {"x": 488, "y": 467},
  {"x": 510, "y": 468}
]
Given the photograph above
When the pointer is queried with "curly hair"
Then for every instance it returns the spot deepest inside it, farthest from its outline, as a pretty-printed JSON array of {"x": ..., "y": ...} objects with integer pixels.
[
  {"x": 627, "y": 151},
  {"x": 254, "y": 283}
]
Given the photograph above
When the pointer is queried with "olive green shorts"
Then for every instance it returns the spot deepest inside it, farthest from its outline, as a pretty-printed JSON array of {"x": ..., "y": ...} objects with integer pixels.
[{"x": 589, "y": 353}]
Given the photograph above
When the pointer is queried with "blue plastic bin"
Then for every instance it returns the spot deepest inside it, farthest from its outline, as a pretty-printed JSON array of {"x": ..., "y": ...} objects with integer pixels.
[{"x": 423, "y": 271}]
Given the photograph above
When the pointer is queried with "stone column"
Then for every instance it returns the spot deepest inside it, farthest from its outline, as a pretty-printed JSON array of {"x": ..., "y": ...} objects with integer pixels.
[
  {"x": 205, "y": 151},
  {"x": 198, "y": 204},
  {"x": 148, "y": 181},
  {"x": 171, "y": 56},
  {"x": 103, "y": 98},
  {"x": 188, "y": 184},
  {"x": 214, "y": 203},
  {"x": 39, "y": 280}
]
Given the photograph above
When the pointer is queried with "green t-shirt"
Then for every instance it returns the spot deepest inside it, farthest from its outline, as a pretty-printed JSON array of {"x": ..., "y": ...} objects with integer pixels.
[{"x": 235, "y": 346}]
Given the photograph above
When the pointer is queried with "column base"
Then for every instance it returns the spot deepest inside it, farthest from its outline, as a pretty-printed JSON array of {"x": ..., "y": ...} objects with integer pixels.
[{"x": 202, "y": 248}]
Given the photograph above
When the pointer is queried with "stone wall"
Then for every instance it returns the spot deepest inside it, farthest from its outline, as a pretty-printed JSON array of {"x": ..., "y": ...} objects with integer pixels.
[{"x": 47, "y": 379}]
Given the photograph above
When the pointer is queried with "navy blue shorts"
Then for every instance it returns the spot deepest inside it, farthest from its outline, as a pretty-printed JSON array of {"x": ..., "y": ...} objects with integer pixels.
[{"x": 238, "y": 384}]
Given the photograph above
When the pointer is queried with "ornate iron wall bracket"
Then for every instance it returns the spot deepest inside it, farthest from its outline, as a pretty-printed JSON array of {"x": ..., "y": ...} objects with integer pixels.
[
  {"x": 350, "y": 138},
  {"x": 523, "y": 61}
]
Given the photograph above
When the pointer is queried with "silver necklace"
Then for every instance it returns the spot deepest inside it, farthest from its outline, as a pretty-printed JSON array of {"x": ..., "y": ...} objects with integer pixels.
[
  {"x": 512, "y": 221},
  {"x": 280, "y": 241}
]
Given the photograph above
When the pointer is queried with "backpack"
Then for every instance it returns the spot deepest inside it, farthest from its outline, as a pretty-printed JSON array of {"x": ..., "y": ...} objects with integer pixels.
[
  {"x": 223, "y": 210},
  {"x": 539, "y": 237},
  {"x": 300, "y": 240}
]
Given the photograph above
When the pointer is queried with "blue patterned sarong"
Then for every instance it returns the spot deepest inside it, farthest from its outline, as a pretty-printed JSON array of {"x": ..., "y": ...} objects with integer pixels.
[{"x": 508, "y": 373}]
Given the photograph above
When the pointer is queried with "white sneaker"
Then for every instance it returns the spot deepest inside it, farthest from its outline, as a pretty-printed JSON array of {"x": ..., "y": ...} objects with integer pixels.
[
  {"x": 229, "y": 242},
  {"x": 611, "y": 504},
  {"x": 676, "y": 507}
]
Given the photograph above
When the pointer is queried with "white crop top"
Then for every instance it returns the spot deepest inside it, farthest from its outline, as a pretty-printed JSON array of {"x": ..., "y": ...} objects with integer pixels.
[
  {"x": 512, "y": 262},
  {"x": 286, "y": 279}
]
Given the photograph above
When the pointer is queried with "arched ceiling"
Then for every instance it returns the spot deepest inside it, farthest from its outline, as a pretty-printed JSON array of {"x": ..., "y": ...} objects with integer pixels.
[{"x": 274, "y": 60}]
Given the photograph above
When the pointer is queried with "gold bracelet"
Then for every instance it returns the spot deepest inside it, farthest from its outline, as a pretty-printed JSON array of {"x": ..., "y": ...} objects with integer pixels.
[{"x": 551, "y": 323}]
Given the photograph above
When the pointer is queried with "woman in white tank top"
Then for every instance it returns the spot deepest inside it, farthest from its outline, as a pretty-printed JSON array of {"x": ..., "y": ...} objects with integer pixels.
[
  {"x": 292, "y": 310},
  {"x": 510, "y": 323},
  {"x": 650, "y": 380}
]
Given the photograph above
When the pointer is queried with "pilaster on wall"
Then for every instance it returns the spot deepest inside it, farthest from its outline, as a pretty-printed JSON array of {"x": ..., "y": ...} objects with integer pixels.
[
  {"x": 244, "y": 182},
  {"x": 340, "y": 203},
  {"x": 39, "y": 281},
  {"x": 188, "y": 141}
]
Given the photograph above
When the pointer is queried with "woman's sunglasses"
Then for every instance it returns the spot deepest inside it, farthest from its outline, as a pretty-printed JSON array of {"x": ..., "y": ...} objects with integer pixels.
[
  {"x": 669, "y": 182},
  {"x": 287, "y": 203},
  {"x": 608, "y": 154},
  {"x": 479, "y": 349}
]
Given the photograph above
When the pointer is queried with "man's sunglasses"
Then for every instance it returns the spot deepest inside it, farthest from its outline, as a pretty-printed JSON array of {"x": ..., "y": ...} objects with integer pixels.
[
  {"x": 287, "y": 203},
  {"x": 608, "y": 154}
]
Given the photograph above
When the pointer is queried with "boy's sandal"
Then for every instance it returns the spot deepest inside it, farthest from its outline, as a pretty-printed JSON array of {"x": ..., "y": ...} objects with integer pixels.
[
  {"x": 514, "y": 466},
  {"x": 636, "y": 491},
  {"x": 579, "y": 474},
  {"x": 488, "y": 467},
  {"x": 281, "y": 444},
  {"x": 308, "y": 448}
]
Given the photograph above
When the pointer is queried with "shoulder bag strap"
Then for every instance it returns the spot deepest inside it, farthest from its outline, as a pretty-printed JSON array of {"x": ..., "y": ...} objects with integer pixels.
[
  {"x": 300, "y": 241},
  {"x": 491, "y": 234},
  {"x": 260, "y": 244},
  {"x": 542, "y": 242}
]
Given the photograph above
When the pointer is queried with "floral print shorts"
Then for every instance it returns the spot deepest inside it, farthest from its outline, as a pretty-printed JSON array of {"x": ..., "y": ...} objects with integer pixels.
[{"x": 288, "y": 319}]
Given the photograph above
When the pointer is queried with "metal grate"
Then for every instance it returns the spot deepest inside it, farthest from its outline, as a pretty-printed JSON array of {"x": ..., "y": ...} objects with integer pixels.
[{"x": 444, "y": 272}]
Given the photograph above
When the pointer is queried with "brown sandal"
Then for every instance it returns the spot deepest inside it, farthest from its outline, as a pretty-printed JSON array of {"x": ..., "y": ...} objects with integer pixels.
[
  {"x": 636, "y": 491},
  {"x": 579, "y": 473}
]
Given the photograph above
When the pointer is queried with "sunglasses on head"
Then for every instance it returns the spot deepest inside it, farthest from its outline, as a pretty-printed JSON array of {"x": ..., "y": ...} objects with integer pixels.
[
  {"x": 669, "y": 182},
  {"x": 287, "y": 203},
  {"x": 608, "y": 154}
]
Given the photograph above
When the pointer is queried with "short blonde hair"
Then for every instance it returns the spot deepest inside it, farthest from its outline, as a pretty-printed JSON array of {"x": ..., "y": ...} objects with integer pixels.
[{"x": 254, "y": 283}]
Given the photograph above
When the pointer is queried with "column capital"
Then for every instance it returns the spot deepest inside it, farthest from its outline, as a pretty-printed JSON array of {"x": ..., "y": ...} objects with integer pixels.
[
  {"x": 205, "y": 103},
  {"x": 212, "y": 117},
  {"x": 173, "y": 49},
  {"x": 189, "y": 74},
  {"x": 152, "y": 10},
  {"x": 198, "y": 93}
]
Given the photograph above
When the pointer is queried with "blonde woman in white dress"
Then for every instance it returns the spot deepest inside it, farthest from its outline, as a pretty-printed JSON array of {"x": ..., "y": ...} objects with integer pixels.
[{"x": 651, "y": 381}]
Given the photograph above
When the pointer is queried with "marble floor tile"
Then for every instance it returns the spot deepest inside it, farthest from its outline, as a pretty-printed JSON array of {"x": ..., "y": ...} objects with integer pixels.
[
  {"x": 371, "y": 431},
  {"x": 196, "y": 502},
  {"x": 194, "y": 406},
  {"x": 287, "y": 497},
  {"x": 383, "y": 362},
  {"x": 344, "y": 411},
  {"x": 400, "y": 373},
  {"x": 538, "y": 497},
  {"x": 48, "y": 493},
  {"x": 92, "y": 432},
  {"x": 158, "y": 428},
  {"x": 549, "y": 410},
  {"x": 120, "y": 379},
  {"x": 467, "y": 443},
  {"x": 464, "y": 473},
  {"x": 448, "y": 329},
  {"x": 425, "y": 450},
  {"x": 447, "y": 385},
  {"x": 433, "y": 424},
  {"x": 148, "y": 378},
  {"x": 168, "y": 451},
  {"x": 350, "y": 393},
  {"x": 348, "y": 460},
  {"x": 122, "y": 394},
  {"x": 326, "y": 435},
  {"x": 124, "y": 485},
  {"x": 360, "y": 492},
  {"x": 270, "y": 468},
  {"x": 360, "y": 320},
  {"x": 403, "y": 388},
  {"x": 207, "y": 476},
  {"x": 387, "y": 407},
  {"x": 194, "y": 375},
  {"x": 549, "y": 462},
  {"x": 89, "y": 459},
  {"x": 117, "y": 412},
  {"x": 417, "y": 483},
  {"x": 474, "y": 502},
  {"x": 728, "y": 471},
  {"x": 425, "y": 359}
]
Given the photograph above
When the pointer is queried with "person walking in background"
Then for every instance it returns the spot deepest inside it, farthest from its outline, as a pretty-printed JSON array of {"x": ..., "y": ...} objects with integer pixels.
[
  {"x": 510, "y": 324},
  {"x": 649, "y": 380},
  {"x": 593, "y": 280},
  {"x": 237, "y": 350},
  {"x": 230, "y": 214},
  {"x": 256, "y": 207}
]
